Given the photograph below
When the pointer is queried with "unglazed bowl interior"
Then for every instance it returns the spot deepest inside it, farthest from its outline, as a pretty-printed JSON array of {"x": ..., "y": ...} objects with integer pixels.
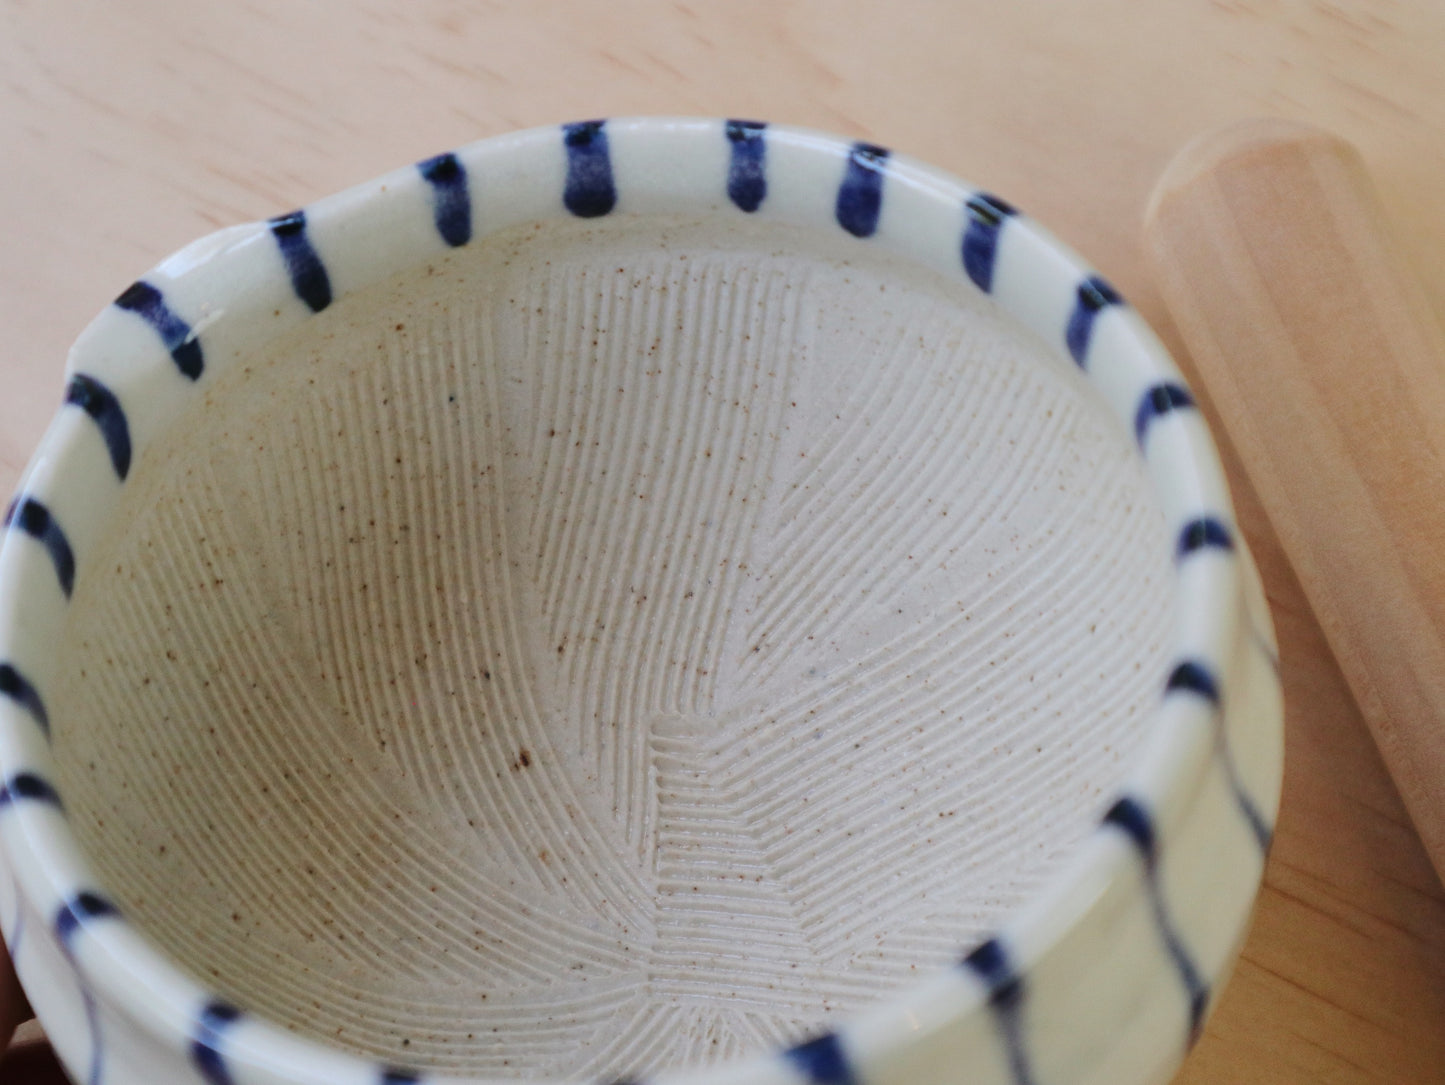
[{"x": 618, "y": 643}]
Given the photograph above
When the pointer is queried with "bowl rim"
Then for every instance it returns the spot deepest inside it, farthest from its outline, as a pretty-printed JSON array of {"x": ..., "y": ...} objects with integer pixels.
[{"x": 237, "y": 266}]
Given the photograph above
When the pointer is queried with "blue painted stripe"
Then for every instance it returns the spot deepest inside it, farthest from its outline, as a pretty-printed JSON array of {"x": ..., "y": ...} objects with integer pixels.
[
  {"x": 990, "y": 962},
  {"x": 986, "y": 216},
  {"x": 81, "y": 909},
  {"x": 823, "y": 1060},
  {"x": 17, "y": 687},
  {"x": 1262, "y": 829},
  {"x": 1092, "y": 297},
  {"x": 747, "y": 167},
  {"x": 92, "y": 1023},
  {"x": 1265, "y": 649},
  {"x": 1158, "y": 401},
  {"x": 1194, "y": 677},
  {"x": 29, "y": 516},
  {"x": 215, "y": 1020},
  {"x": 97, "y": 1048},
  {"x": 101, "y": 404},
  {"x": 1259, "y": 828},
  {"x": 1129, "y": 817},
  {"x": 85, "y": 906},
  {"x": 1206, "y": 532},
  {"x": 28, "y": 787},
  {"x": 303, "y": 265},
  {"x": 16, "y": 935},
  {"x": 860, "y": 196},
  {"x": 390, "y": 1075},
  {"x": 451, "y": 200},
  {"x": 149, "y": 304},
  {"x": 590, "y": 192}
]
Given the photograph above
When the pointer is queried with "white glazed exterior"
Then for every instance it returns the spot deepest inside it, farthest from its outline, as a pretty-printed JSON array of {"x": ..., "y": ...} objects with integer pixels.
[{"x": 1093, "y": 985}]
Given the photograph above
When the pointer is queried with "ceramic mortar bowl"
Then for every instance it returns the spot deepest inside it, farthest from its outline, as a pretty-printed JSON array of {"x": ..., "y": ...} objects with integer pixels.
[{"x": 668, "y": 599}]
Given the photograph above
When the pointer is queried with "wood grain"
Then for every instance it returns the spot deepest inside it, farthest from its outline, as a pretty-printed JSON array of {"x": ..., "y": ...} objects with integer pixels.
[
  {"x": 1271, "y": 250},
  {"x": 130, "y": 129}
]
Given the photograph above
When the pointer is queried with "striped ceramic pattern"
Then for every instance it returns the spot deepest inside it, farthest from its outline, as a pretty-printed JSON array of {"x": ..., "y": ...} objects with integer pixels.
[{"x": 1037, "y": 1002}]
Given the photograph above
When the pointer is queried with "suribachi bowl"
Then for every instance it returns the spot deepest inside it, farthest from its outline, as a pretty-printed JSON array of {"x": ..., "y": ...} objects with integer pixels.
[{"x": 681, "y": 600}]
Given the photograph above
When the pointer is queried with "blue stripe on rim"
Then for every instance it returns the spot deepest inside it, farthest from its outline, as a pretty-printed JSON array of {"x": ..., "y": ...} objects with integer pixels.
[
  {"x": 101, "y": 404},
  {"x": 590, "y": 191},
  {"x": 215, "y": 1020},
  {"x": 148, "y": 303},
  {"x": 308, "y": 274},
  {"x": 1204, "y": 533},
  {"x": 860, "y": 196},
  {"x": 30, "y": 517},
  {"x": 28, "y": 787},
  {"x": 18, "y": 688},
  {"x": 70, "y": 918},
  {"x": 451, "y": 200},
  {"x": 1129, "y": 816},
  {"x": 747, "y": 164},
  {"x": 991, "y": 963},
  {"x": 1092, "y": 297},
  {"x": 1160, "y": 400},
  {"x": 85, "y": 906},
  {"x": 823, "y": 1060},
  {"x": 1194, "y": 678},
  {"x": 986, "y": 217}
]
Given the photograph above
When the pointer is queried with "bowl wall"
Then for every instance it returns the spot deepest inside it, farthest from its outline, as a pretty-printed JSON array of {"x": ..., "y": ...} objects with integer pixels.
[{"x": 855, "y": 401}]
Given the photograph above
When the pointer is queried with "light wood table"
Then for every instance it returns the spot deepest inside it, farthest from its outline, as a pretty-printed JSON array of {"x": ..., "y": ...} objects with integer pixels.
[{"x": 127, "y": 129}]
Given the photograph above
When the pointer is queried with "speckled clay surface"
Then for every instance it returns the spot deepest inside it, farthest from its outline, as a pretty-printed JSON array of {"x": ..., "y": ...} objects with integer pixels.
[
  {"x": 614, "y": 646},
  {"x": 678, "y": 599}
]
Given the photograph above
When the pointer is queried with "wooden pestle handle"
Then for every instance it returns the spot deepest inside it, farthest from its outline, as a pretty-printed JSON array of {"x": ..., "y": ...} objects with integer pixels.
[{"x": 1327, "y": 365}]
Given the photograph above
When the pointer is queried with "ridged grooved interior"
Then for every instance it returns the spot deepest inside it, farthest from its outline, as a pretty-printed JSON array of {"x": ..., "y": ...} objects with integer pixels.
[{"x": 613, "y": 646}]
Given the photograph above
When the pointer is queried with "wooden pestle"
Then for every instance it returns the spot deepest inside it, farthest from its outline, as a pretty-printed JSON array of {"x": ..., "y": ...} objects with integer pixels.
[{"x": 1327, "y": 364}]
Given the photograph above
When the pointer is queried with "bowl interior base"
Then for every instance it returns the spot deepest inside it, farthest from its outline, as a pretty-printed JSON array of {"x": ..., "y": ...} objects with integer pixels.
[{"x": 615, "y": 644}]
